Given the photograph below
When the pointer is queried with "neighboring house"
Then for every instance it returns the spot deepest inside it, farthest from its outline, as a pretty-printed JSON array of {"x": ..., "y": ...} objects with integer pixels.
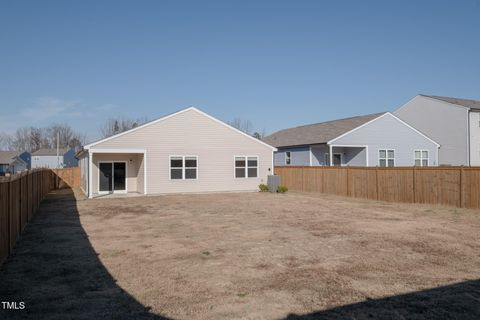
[
  {"x": 379, "y": 139},
  {"x": 47, "y": 158},
  {"x": 11, "y": 162},
  {"x": 452, "y": 122},
  {"x": 188, "y": 151}
]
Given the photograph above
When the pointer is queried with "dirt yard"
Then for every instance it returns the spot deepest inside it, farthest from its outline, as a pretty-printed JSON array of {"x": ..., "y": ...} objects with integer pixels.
[{"x": 245, "y": 256}]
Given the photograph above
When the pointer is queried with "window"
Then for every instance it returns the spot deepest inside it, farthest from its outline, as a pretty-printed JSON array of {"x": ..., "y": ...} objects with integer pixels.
[
  {"x": 183, "y": 167},
  {"x": 421, "y": 158},
  {"x": 246, "y": 167},
  {"x": 386, "y": 158},
  {"x": 288, "y": 157}
]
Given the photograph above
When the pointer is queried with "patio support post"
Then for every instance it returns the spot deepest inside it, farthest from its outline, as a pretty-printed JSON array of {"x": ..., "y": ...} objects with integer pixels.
[
  {"x": 330, "y": 154},
  {"x": 90, "y": 162}
]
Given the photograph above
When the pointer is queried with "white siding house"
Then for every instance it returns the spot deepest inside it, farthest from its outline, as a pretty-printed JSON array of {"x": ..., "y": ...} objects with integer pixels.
[
  {"x": 188, "y": 151},
  {"x": 372, "y": 140}
]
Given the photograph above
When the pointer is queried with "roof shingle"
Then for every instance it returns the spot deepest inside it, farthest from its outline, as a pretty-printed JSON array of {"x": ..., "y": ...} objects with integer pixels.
[
  {"x": 469, "y": 103},
  {"x": 317, "y": 133}
]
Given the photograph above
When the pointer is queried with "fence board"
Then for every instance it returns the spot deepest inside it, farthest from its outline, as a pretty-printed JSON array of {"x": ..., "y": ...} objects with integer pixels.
[
  {"x": 451, "y": 186},
  {"x": 20, "y": 197}
]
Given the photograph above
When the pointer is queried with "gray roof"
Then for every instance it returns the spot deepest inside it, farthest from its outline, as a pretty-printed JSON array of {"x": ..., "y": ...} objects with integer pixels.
[
  {"x": 472, "y": 104},
  {"x": 49, "y": 152},
  {"x": 317, "y": 133},
  {"x": 7, "y": 157}
]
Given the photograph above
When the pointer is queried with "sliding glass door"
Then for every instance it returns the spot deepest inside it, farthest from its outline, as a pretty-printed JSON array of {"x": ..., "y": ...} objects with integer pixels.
[{"x": 112, "y": 177}]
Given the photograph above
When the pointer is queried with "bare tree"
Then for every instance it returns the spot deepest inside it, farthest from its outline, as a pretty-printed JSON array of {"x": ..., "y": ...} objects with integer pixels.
[
  {"x": 242, "y": 125},
  {"x": 32, "y": 138},
  {"x": 113, "y": 126},
  {"x": 6, "y": 141},
  {"x": 67, "y": 137}
]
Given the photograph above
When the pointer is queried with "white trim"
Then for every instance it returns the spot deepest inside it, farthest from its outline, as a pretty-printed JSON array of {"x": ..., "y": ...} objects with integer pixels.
[
  {"x": 421, "y": 157},
  {"x": 330, "y": 158},
  {"x": 118, "y": 150},
  {"x": 175, "y": 114},
  {"x": 310, "y": 151},
  {"x": 379, "y": 117},
  {"x": 246, "y": 166},
  {"x": 90, "y": 175},
  {"x": 386, "y": 157},
  {"x": 183, "y": 167},
  {"x": 113, "y": 176},
  {"x": 144, "y": 173}
]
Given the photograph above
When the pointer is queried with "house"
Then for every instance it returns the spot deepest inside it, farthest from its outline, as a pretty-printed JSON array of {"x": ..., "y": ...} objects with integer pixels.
[
  {"x": 187, "y": 151},
  {"x": 452, "y": 122},
  {"x": 379, "y": 139},
  {"x": 12, "y": 162},
  {"x": 47, "y": 158}
]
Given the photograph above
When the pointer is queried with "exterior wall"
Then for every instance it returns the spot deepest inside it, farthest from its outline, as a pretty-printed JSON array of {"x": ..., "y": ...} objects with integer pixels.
[
  {"x": 18, "y": 166},
  {"x": 299, "y": 156},
  {"x": 474, "y": 138},
  {"x": 318, "y": 155},
  {"x": 46, "y": 162},
  {"x": 443, "y": 122},
  {"x": 133, "y": 165},
  {"x": 69, "y": 159},
  {"x": 193, "y": 133},
  {"x": 387, "y": 132}
]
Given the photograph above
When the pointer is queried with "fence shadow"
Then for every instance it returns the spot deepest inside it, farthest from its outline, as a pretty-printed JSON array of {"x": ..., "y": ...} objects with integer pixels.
[
  {"x": 56, "y": 272},
  {"x": 456, "y": 301}
]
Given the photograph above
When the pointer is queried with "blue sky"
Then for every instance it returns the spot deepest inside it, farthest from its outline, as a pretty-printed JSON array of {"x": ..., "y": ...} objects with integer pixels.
[{"x": 277, "y": 63}]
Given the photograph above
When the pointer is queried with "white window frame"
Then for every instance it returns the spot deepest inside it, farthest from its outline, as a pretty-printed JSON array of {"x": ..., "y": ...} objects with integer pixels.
[
  {"x": 386, "y": 157},
  {"x": 289, "y": 158},
  {"x": 421, "y": 157},
  {"x": 246, "y": 166},
  {"x": 183, "y": 167}
]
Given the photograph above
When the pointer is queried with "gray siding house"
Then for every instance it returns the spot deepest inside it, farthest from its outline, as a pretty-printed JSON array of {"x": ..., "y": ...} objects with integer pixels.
[
  {"x": 47, "y": 158},
  {"x": 379, "y": 139},
  {"x": 12, "y": 162},
  {"x": 452, "y": 122},
  {"x": 188, "y": 151}
]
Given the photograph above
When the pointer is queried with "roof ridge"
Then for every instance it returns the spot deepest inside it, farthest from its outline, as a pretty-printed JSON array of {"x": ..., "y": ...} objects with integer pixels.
[{"x": 334, "y": 120}]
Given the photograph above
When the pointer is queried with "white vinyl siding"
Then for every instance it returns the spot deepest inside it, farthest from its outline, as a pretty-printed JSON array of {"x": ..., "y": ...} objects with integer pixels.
[{"x": 193, "y": 133}]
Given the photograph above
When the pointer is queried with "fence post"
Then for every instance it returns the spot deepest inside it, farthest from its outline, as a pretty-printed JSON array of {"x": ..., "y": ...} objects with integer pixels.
[
  {"x": 414, "y": 184},
  {"x": 376, "y": 180},
  {"x": 462, "y": 182},
  {"x": 348, "y": 178}
]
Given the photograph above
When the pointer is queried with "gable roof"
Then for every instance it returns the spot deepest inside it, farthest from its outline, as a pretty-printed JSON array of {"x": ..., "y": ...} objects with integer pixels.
[
  {"x": 50, "y": 152},
  {"x": 469, "y": 103},
  {"x": 7, "y": 157},
  {"x": 86, "y": 147},
  {"x": 319, "y": 132}
]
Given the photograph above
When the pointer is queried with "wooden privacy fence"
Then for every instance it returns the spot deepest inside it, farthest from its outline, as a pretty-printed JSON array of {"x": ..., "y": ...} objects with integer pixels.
[
  {"x": 67, "y": 177},
  {"x": 450, "y": 186},
  {"x": 20, "y": 197}
]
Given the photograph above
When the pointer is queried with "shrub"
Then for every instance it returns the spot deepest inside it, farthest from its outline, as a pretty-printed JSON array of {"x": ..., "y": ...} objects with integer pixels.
[
  {"x": 282, "y": 189},
  {"x": 263, "y": 187}
]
